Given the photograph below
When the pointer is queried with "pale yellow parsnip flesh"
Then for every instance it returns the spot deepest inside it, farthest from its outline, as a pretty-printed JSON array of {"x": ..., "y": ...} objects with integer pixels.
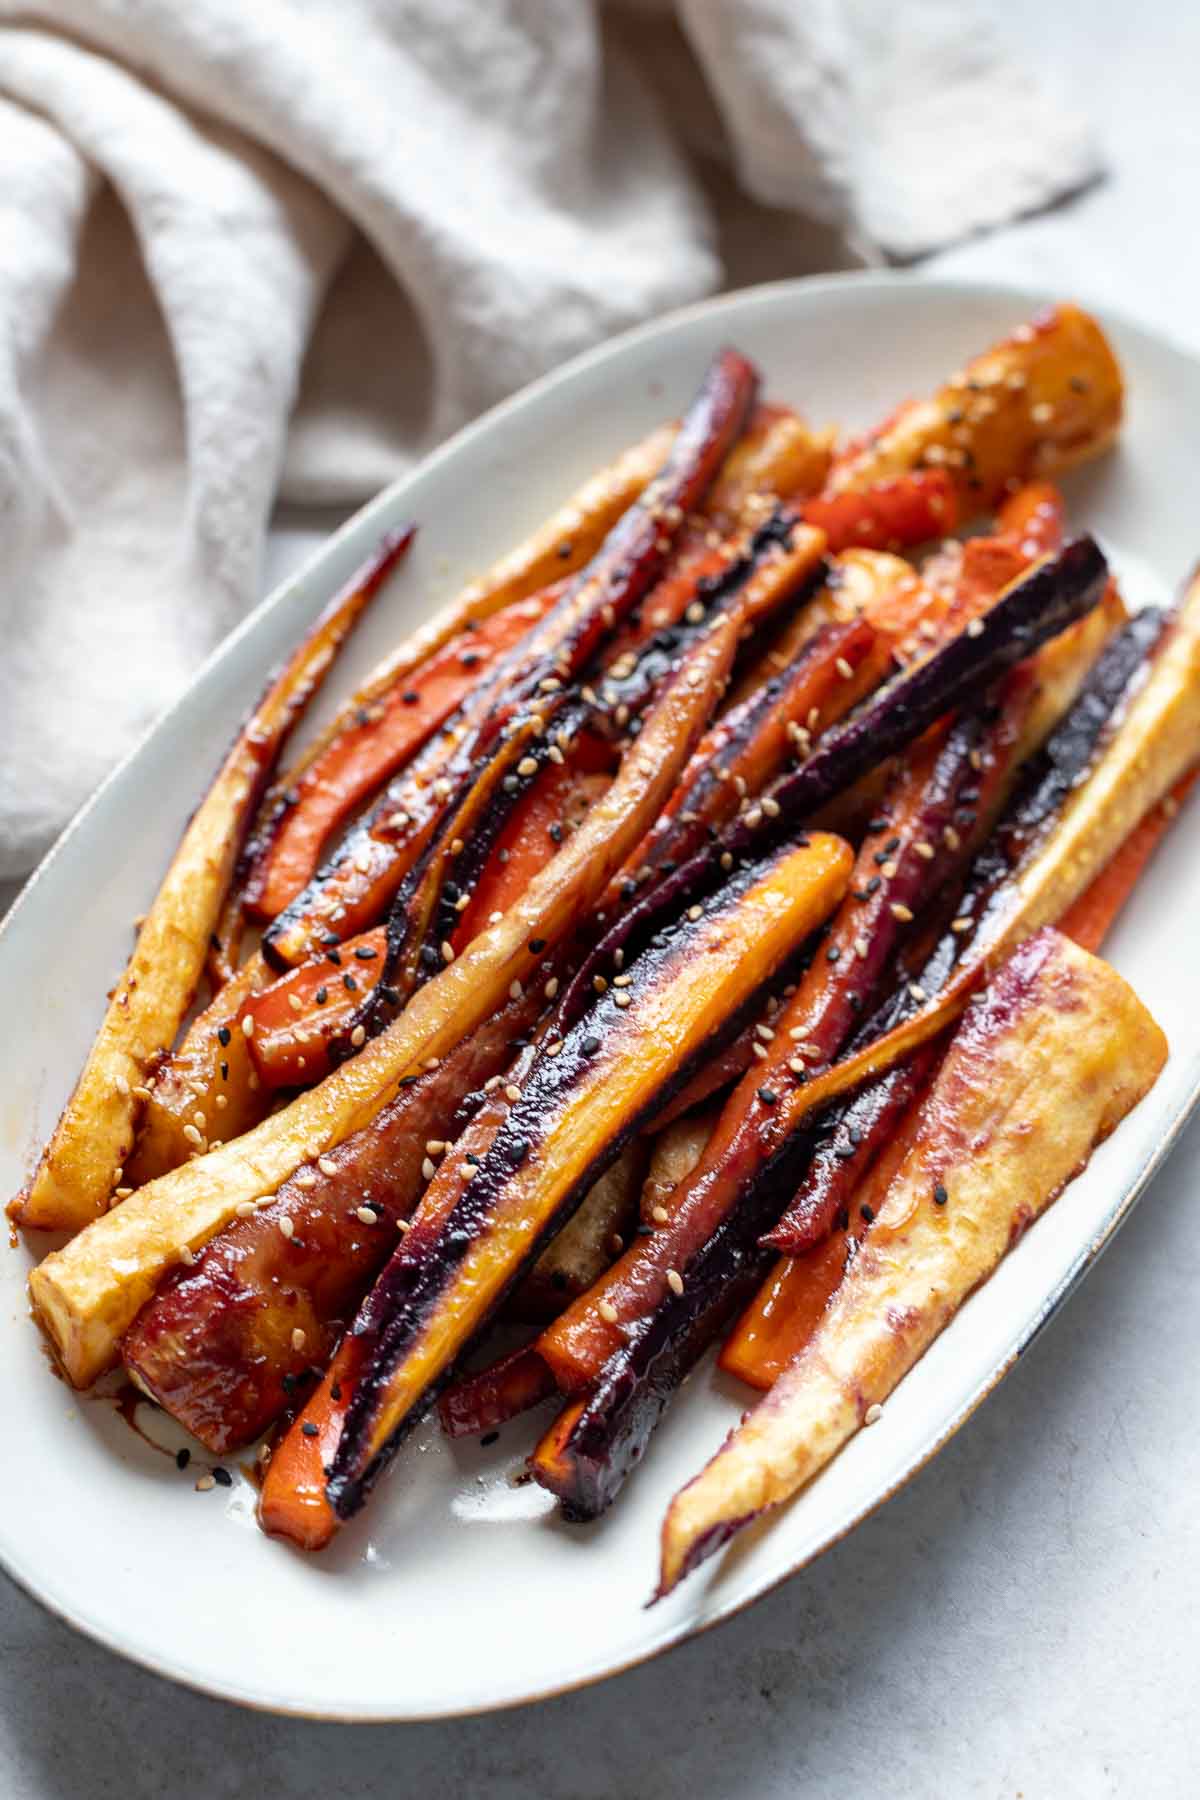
[
  {"x": 722, "y": 962},
  {"x": 1046, "y": 1063},
  {"x": 89, "y": 1293}
]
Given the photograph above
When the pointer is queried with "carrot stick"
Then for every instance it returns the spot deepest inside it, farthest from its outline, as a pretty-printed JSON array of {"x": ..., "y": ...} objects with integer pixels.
[
  {"x": 888, "y": 515},
  {"x": 377, "y": 742}
]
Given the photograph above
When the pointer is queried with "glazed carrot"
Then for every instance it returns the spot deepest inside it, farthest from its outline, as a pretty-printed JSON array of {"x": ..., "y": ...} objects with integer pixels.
[
  {"x": 379, "y": 740},
  {"x": 555, "y": 804},
  {"x": 888, "y": 515},
  {"x": 292, "y": 1503},
  {"x": 502, "y": 1391},
  {"x": 1094, "y": 914},
  {"x": 784, "y": 1313},
  {"x": 297, "y": 1018}
]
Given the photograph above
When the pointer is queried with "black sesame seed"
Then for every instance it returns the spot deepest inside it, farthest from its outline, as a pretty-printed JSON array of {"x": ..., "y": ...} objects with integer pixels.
[
  {"x": 224, "y": 1071},
  {"x": 366, "y": 953},
  {"x": 183, "y": 1458},
  {"x": 833, "y": 955},
  {"x": 429, "y": 956},
  {"x": 321, "y": 996},
  {"x": 335, "y": 957},
  {"x": 489, "y": 1438},
  {"x": 390, "y": 995},
  {"x": 223, "y": 1036},
  {"x": 940, "y": 1196},
  {"x": 893, "y": 843},
  {"x": 349, "y": 983},
  {"x": 768, "y": 1096},
  {"x": 471, "y": 1158},
  {"x": 309, "y": 1429},
  {"x": 875, "y": 883},
  {"x": 868, "y": 1213},
  {"x": 288, "y": 1384},
  {"x": 411, "y": 697},
  {"x": 565, "y": 548},
  {"x": 590, "y": 1045},
  {"x": 222, "y": 1477},
  {"x": 878, "y": 824},
  {"x": 844, "y": 1219},
  {"x": 335, "y": 1392},
  {"x": 470, "y": 658},
  {"x": 536, "y": 946}
]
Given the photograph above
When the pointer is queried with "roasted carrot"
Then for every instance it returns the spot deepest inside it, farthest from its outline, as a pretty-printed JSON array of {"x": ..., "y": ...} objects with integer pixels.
[
  {"x": 493, "y": 1396},
  {"x": 297, "y": 1018},
  {"x": 554, "y": 806},
  {"x": 378, "y": 741},
  {"x": 892, "y": 514},
  {"x": 83, "y": 1163}
]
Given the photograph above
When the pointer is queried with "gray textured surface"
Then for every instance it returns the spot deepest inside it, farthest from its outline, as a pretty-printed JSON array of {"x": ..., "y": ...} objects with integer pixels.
[{"x": 1024, "y": 1620}]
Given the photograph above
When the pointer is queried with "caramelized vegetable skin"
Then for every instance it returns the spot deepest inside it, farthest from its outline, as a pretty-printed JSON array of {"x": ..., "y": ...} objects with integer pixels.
[
  {"x": 1049, "y": 396},
  {"x": 88, "y": 1294},
  {"x": 207, "y": 1089},
  {"x": 354, "y": 889},
  {"x": 576, "y": 1109},
  {"x": 1045, "y": 1065},
  {"x": 83, "y": 1161},
  {"x": 227, "y": 1342},
  {"x": 380, "y": 738}
]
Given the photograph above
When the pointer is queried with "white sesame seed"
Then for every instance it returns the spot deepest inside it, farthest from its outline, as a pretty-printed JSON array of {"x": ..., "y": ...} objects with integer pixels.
[
  {"x": 142, "y": 1093},
  {"x": 659, "y": 1214},
  {"x": 358, "y": 1036},
  {"x": 428, "y": 1170},
  {"x": 951, "y": 838},
  {"x": 675, "y": 1281},
  {"x": 122, "y": 1086},
  {"x": 527, "y": 766},
  {"x": 551, "y": 987},
  {"x": 248, "y": 1025},
  {"x": 327, "y": 1165},
  {"x": 299, "y": 1338},
  {"x": 122, "y": 1193},
  {"x": 608, "y": 1312},
  {"x": 765, "y": 1032},
  {"x": 244, "y": 1209},
  {"x": 192, "y": 1135},
  {"x": 198, "y": 1119},
  {"x": 305, "y": 1179},
  {"x": 695, "y": 912},
  {"x": 760, "y": 1050},
  {"x": 513, "y": 1092},
  {"x": 770, "y": 807},
  {"x": 515, "y": 990},
  {"x": 844, "y": 669},
  {"x": 622, "y": 1000},
  {"x": 296, "y": 1003},
  {"x": 367, "y": 1214},
  {"x": 918, "y": 992},
  {"x": 622, "y": 981},
  {"x": 975, "y": 628},
  {"x": 873, "y": 1414},
  {"x": 447, "y": 953},
  {"x": 889, "y": 869},
  {"x": 286, "y": 1228},
  {"x": 492, "y": 1083},
  {"x": 754, "y": 817},
  {"x": 903, "y": 913},
  {"x": 204, "y": 1483},
  {"x": 187, "y": 1255}
]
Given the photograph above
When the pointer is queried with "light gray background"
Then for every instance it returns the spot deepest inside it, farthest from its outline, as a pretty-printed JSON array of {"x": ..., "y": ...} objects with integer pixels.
[{"x": 1024, "y": 1620}]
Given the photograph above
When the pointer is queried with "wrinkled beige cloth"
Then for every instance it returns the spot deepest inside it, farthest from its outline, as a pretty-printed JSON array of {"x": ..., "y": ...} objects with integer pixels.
[{"x": 416, "y": 205}]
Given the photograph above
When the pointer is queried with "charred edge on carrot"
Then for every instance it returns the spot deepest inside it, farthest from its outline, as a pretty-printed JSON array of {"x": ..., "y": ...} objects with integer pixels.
[{"x": 410, "y": 1287}]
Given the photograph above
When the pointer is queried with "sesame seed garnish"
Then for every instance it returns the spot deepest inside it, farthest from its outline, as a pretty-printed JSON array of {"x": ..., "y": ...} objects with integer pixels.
[
  {"x": 358, "y": 1036},
  {"x": 590, "y": 1045},
  {"x": 122, "y": 1086},
  {"x": 248, "y": 1025},
  {"x": 192, "y": 1135},
  {"x": 754, "y": 817},
  {"x": 204, "y": 1483},
  {"x": 675, "y": 1281},
  {"x": 608, "y": 1312},
  {"x": 951, "y": 838},
  {"x": 327, "y": 1165},
  {"x": 299, "y": 1339},
  {"x": 305, "y": 1179},
  {"x": 551, "y": 987},
  {"x": 844, "y": 669},
  {"x": 770, "y": 807},
  {"x": 122, "y": 1193},
  {"x": 435, "y": 1147},
  {"x": 764, "y": 1032},
  {"x": 901, "y": 912},
  {"x": 695, "y": 912},
  {"x": 796, "y": 1066},
  {"x": 940, "y": 1196},
  {"x": 428, "y": 1169},
  {"x": 925, "y": 851},
  {"x": 142, "y": 1093},
  {"x": 622, "y": 981},
  {"x": 975, "y": 628},
  {"x": 187, "y": 1255},
  {"x": 456, "y": 845},
  {"x": 554, "y": 1049},
  {"x": 515, "y": 990},
  {"x": 599, "y": 984},
  {"x": 659, "y": 1214},
  {"x": 367, "y": 1214},
  {"x": 245, "y": 1209},
  {"x": 889, "y": 869},
  {"x": 622, "y": 1000},
  {"x": 287, "y": 1229},
  {"x": 768, "y": 1096},
  {"x": 726, "y": 860},
  {"x": 962, "y": 924},
  {"x": 760, "y": 1050},
  {"x": 918, "y": 992},
  {"x": 873, "y": 1414},
  {"x": 527, "y": 766}
]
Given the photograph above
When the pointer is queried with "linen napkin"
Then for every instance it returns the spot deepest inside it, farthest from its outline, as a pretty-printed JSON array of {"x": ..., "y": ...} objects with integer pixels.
[{"x": 276, "y": 250}]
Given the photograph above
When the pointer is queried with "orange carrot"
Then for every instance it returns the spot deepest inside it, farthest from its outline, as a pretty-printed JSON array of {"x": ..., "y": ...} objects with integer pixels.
[
  {"x": 889, "y": 515},
  {"x": 383, "y": 737},
  {"x": 296, "y": 1018},
  {"x": 292, "y": 1503}
]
